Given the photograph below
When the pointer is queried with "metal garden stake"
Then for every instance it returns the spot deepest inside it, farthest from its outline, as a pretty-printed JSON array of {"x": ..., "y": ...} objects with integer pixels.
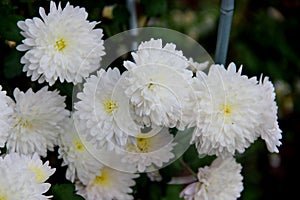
[{"x": 226, "y": 13}]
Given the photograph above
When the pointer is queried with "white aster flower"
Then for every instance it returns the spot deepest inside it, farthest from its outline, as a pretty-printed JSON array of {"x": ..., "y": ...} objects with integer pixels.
[
  {"x": 229, "y": 111},
  {"x": 158, "y": 84},
  {"x": 220, "y": 181},
  {"x": 35, "y": 121},
  {"x": 149, "y": 152},
  {"x": 81, "y": 164},
  {"x": 111, "y": 184},
  {"x": 101, "y": 110},
  {"x": 62, "y": 44},
  {"x": 6, "y": 111},
  {"x": 23, "y": 177},
  {"x": 269, "y": 129}
]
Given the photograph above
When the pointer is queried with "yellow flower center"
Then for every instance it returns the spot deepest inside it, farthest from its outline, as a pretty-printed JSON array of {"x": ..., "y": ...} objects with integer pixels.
[
  {"x": 23, "y": 122},
  {"x": 150, "y": 85},
  {"x": 78, "y": 145},
  {"x": 142, "y": 145},
  {"x": 60, "y": 44},
  {"x": 103, "y": 179},
  {"x": 110, "y": 105},
  {"x": 227, "y": 110},
  {"x": 40, "y": 176},
  {"x": 2, "y": 198}
]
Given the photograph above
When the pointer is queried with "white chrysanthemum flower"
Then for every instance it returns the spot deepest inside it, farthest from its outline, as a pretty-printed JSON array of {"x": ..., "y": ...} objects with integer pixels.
[
  {"x": 101, "y": 110},
  {"x": 111, "y": 184},
  {"x": 35, "y": 121},
  {"x": 149, "y": 152},
  {"x": 158, "y": 84},
  {"x": 220, "y": 181},
  {"x": 6, "y": 111},
  {"x": 269, "y": 129},
  {"x": 229, "y": 111},
  {"x": 63, "y": 44},
  {"x": 81, "y": 164},
  {"x": 23, "y": 177}
]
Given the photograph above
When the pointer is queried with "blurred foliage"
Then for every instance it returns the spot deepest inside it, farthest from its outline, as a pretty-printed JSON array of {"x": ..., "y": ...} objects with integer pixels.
[
  {"x": 64, "y": 192},
  {"x": 264, "y": 39}
]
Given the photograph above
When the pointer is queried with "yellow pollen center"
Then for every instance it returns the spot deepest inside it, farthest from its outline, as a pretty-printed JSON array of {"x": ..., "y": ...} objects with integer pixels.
[
  {"x": 39, "y": 175},
  {"x": 150, "y": 85},
  {"x": 23, "y": 122},
  {"x": 227, "y": 110},
  {"x": 110, "y": 105},
  {"x": 142, "y": 144},
  {"x": 60, "y": 44},
  {"x": 2, "y": 198},
  {"x": 78, "y": 145},
  {"x": 103, "y": 179}
]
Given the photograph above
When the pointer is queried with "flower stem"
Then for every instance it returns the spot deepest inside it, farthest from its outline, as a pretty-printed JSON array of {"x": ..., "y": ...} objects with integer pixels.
[{"x": 187, "y": 167}]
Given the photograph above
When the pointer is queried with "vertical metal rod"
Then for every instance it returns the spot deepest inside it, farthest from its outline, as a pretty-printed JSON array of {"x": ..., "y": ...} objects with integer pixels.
[
  {"x": 133, "y": 25},
  {"x": 226, "y": 12}
]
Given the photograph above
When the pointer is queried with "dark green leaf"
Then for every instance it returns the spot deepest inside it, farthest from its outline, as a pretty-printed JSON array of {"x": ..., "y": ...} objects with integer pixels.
[
  {"x": 155, "y": 192},
  {"x": 64, "y": 192},
  {"x": 172, "y": 192}
]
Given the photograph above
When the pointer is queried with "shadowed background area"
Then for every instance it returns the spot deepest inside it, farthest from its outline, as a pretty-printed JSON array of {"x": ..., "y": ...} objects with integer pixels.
[{"x": 264, "y": 39}]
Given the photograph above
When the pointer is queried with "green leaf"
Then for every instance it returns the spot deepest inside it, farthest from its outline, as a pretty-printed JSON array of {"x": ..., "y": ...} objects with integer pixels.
[
  {"x": 65, "y": 192},
  {"x": 172, "y": 192},
  {"x": 191, "y": 158},
  {"x": 155, "y": 192}
]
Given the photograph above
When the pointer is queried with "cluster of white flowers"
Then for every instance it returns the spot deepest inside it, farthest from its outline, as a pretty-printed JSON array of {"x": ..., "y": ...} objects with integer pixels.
[
  {"x": 29, "y": 128},
  {"x": 23, "y": 177},
  {"x": 93, "y": 179},
  {"x": 81, "y": 164},
  {"x": 160, "y": 90}
]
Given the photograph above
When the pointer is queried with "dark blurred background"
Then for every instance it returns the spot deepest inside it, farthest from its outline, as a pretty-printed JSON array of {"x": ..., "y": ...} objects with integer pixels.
[{"x": 264, "y": 39}]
